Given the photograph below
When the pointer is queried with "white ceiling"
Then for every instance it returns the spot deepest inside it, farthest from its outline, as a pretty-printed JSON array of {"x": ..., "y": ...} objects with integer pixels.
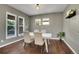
[{"x": 30, "y": 9}]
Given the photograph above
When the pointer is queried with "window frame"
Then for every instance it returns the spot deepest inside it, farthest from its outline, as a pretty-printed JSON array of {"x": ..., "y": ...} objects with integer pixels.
[
  {"x": 7, "y": 36},
  {"x": 21, "y": 25},
  {"x": 44, "y": 21},
  {"x": 39, "y": 22}
]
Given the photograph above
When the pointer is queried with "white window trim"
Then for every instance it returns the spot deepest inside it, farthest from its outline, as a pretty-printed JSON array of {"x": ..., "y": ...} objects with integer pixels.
[
  {"x": 23, "y": 25},
  {"x": 44, "y": 20},
  {"x": 38, "y": 21},
  {"x": 46, "y": 23},
  {"x": 8, "y": 37}
]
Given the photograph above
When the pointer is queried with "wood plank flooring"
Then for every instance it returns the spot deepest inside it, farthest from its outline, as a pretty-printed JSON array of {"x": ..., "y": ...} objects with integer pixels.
[{"x": 55, "y": 47}]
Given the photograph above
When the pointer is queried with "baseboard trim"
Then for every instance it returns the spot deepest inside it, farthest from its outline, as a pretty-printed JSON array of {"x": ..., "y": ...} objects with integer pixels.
[
  {"x": 10, "y": 43},
  {"x": 69, "y": 46},
  {"x": 55, "y": 38}
]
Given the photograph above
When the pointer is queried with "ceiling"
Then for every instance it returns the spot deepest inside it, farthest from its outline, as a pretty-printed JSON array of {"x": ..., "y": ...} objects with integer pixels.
[{"x": 30, "y": 9}]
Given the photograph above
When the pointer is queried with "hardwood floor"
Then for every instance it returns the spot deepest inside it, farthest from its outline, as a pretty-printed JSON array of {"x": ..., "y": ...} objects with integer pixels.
[{"x": 55, "y": 47}]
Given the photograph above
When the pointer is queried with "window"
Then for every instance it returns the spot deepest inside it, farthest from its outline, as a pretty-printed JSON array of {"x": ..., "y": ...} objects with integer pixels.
[
  {"x": 20, "y": 25},
  {"x": 45, "y": 21},
  {"x": 38, "y": 22},
  {"x": 10, "y": 25}
]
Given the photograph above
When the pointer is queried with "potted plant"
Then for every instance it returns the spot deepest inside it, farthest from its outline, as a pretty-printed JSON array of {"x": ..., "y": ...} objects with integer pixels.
[{"x": 61, "y": 35}]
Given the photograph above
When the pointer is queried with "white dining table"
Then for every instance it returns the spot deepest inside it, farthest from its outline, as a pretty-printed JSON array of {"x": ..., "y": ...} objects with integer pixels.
[{"x": 46, "y": 36}]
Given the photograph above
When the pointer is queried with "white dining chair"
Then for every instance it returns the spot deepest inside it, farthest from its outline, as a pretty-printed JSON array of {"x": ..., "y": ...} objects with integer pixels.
[
  {"x": 27, "y": 39},
  {"x": 43, "y": 31},
  {"x": 36, "y": 30},
  {"x": 39, "y": 41}
]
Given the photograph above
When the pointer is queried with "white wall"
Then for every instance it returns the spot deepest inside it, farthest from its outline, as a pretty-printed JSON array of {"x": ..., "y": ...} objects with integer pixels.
[
  {"x": 3, "y": 10},
  {"x": 71, "y": 28},
  {"x": 56, "y": 23}
]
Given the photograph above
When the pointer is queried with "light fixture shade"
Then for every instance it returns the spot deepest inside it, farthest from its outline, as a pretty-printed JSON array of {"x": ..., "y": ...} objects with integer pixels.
[
  {"x": 71, "y": 13},
  {"x": 37, "y": 6}
]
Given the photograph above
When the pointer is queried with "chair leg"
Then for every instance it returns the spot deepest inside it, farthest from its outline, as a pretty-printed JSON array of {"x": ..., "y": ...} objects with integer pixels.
[
  {"x": 23, "y": 43},
  {"x": 46, "y": 45},
  {"x": 43, "y": 48},
  {"x": 48, "y": 41}
]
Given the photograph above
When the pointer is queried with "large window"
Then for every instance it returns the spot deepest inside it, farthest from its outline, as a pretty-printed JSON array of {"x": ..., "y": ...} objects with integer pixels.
[
  {"x": 38, "y": 22},
  {"x": 20, "y": 25},
  {"x": 44, "y": 21},
  {"x": 10, "y": 25}
]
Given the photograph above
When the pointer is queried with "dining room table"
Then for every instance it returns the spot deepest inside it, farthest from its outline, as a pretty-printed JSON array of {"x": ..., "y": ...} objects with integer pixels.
[{"x": 46, "y": 37}]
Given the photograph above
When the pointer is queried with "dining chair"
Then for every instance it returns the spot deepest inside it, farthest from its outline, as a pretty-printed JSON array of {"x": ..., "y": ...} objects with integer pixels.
[
  {"x": 36, "y": 30},
  {"x": 43, "y": 31},
  {"x": 39, "y": 41},
  {"x": 27, "y": 39}
]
